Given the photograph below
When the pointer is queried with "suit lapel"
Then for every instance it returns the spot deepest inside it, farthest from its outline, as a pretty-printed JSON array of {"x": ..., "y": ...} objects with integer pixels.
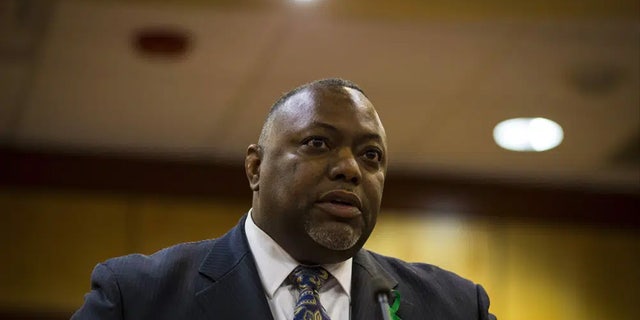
[
  {"x": 230, "y": 287},
  {"x": 363, "y": 302}
]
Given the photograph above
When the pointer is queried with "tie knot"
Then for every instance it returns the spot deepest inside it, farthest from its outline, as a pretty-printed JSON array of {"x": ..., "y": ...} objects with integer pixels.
[{"x": 309, "y": 277}]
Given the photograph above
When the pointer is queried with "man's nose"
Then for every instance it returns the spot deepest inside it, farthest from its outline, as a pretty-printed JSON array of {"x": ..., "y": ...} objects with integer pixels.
[{"x": 346, "y": 167}]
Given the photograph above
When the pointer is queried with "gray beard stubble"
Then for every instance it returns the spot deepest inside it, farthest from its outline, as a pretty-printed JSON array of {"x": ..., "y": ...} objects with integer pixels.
[{"x": 335, "y": 236}]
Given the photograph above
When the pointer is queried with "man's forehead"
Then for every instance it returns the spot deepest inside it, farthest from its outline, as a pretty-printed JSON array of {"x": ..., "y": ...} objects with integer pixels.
[
  {"x": 327, "y": 98},
  {"x": 358, "y": 97},
  {"x": 305, "y": 106}
]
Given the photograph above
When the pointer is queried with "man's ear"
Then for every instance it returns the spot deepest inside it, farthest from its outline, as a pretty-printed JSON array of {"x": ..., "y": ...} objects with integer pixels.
[{"x": 252, "y": 166}]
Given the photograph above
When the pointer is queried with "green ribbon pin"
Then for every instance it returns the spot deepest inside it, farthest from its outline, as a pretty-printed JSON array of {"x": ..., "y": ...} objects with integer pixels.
[{"x": 393, "y": 310}]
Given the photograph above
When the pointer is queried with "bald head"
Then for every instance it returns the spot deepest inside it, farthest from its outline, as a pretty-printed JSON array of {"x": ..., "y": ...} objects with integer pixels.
[{"x": 318, "y": 85}]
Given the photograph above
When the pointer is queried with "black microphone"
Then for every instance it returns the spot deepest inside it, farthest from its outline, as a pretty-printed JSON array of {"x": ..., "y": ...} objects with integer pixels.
[{"x": 381, "y": 291}]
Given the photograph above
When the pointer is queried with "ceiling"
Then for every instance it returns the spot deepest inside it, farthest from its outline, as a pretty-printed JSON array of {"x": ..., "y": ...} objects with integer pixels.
[{"x": 441, "y": 75}]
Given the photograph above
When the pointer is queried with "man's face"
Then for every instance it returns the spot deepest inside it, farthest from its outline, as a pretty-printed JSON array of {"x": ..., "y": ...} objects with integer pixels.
[{"x": 321, "y": 174}]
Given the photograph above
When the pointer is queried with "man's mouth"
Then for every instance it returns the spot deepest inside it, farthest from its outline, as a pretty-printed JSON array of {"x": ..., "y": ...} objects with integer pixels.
[{"x": 340, "y": 203}]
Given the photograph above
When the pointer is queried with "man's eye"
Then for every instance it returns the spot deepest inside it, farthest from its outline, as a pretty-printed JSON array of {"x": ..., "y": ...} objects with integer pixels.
[
  {"x": 316, "y": 143},
  {"x": 373, "y": 155}
]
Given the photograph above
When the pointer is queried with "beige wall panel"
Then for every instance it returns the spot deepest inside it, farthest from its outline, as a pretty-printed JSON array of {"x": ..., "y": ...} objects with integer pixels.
[
  {"x": 50, "y": 244},
  {"x": 570, "y": 273},
  {"x": 159, "y": 223},
  {"x": 452, "y": 242}
]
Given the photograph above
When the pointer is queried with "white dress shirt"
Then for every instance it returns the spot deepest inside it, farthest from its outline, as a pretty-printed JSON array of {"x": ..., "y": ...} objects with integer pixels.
[{"x": 274, "y": 266}]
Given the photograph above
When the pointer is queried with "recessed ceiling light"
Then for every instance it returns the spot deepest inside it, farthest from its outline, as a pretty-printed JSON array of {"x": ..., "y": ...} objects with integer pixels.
[{"x": 528, "y": 134}]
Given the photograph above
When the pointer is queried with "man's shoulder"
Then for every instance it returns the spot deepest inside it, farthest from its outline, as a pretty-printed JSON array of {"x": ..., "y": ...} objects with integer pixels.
[
  {"x": 171, "y": 260},
  {"x": 428, "y": 288},
  {"x": 422, "y": 273},
  {"x": 121, "y": 286}
]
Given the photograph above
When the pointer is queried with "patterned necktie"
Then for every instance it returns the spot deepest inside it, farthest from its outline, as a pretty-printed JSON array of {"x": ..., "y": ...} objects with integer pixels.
[{"x": 309, "y": 280}]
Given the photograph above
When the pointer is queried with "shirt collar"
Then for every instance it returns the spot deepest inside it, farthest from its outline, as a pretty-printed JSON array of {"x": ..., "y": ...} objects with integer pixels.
[{"x": 274, "y": 264}]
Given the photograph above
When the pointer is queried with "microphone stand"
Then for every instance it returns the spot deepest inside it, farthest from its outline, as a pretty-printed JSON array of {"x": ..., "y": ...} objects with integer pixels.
[{"x": 383, "y": 300}]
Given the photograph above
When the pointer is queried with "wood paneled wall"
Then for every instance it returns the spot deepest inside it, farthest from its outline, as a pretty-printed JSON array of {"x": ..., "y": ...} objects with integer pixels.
[{"x": 52, "y": 239}]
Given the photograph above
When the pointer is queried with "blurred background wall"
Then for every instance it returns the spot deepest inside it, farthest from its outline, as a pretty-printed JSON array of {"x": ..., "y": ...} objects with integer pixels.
[
  {"x": 123, "y": 126},
  {"x": 51, "y": 240}
]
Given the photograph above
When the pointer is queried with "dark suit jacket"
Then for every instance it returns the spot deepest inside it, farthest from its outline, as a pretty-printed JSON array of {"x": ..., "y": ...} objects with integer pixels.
[{"x": 217, "y": 279}]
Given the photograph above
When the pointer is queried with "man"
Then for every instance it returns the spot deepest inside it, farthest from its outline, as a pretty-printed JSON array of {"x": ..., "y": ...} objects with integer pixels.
[{"x": 317, "y": 175}]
